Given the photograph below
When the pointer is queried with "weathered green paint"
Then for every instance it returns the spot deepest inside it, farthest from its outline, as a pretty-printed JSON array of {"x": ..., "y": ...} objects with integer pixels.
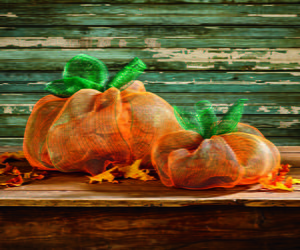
[
  {"x": 175, "y": 77},
  {"x": 149, "y": 1},
  {"x": 150, "y": 37},
  {"x": 220, "y": 108},
  {"x": 160, "y": 32},
  {"x": 176, "y": 88},
  {"x": 220, "y": 50},
  {"x": 158, "y": 58},
  {"x": 149, "y": 14}
]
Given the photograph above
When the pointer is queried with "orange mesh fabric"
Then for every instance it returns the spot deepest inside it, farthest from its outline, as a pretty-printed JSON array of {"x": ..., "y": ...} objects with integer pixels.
[
  {"x": 184, "y": 159},
  {"x": 90, "y": 130}
]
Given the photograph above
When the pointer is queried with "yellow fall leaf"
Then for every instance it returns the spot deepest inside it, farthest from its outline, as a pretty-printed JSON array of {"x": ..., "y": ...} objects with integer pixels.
[
  {"x": 14, "y": 155},
  {"x": 134, "y": 172},
  {"x": 296, "y": 181},
  {"x": 131, "y": 171}
]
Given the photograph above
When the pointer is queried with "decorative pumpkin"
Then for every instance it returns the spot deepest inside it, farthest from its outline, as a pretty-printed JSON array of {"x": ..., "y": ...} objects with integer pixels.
[
  {"x": 84, "y": 129},
  {"x": 211, "y": 153}
]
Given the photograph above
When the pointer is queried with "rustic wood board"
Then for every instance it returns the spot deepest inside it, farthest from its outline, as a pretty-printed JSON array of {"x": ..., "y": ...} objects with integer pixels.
[
  {"x": 185, "y": 228},
  {"x": 73, "y": 189},
  {"x": 149, "y": 14},
  {"x": 184, "y": 59},
  {"x": 186, "y": 36}
]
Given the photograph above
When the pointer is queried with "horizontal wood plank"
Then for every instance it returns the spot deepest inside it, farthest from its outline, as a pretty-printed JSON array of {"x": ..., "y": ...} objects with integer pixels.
[
  {"x": 211, "y": 227},
  {"x": 149, "y": 36},
  {"x": 262, "y": 59},
  {"x": 150, "y": 1},
  {"x": 170, "y": 77},
  {"x": 235, "y": 87},
  {"x": 73, "y": 189},
  {"x": 139, "y": 14}
]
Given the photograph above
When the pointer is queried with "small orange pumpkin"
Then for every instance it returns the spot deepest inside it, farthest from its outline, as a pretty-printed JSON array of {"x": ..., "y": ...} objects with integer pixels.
[{"x": 235, "y": 154}]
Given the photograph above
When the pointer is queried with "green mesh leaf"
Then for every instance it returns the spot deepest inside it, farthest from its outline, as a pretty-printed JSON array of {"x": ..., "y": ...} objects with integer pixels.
[
  {"x": 68, "y": 86},
  {"x": 130, "y": 72},
  {"x": 207, "y": 120},
  {"x": 231, "y": 119},
  {"x": 86, "y": 67},
  {"x": 183, "y": 121}
]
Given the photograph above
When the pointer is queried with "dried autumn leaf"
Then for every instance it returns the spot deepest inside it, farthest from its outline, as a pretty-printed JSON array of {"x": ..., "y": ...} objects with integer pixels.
[
  {"x": 14, "y": 182},
  {"x": 131, "y": 171},
  {"x": 134, "y": 172},
  {"x": 7, "y": 168},
  {"x": 16, "y": 171},
  {"x": 276, "y": 179},
  {"x": 296, "y": 181},
  {"x": 14, "y": 155},
  {"x": 105, "y": 176}
]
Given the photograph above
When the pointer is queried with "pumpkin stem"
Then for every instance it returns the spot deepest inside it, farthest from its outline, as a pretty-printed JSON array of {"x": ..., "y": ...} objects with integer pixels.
[
  {"x": 206, "y": 118},
  {"x": 130, "y": 72},
  {"x": 207, "y": 123},
  {"x": 231, "y": 119}
]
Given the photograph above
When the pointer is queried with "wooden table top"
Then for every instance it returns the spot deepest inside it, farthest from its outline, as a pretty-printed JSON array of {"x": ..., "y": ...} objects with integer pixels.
[{"x": 74, "y": 190}]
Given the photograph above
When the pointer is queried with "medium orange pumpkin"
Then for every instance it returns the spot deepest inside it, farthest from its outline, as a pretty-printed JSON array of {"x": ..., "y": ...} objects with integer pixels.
[
  {"x": 91, "y": 129},
  {"x": 95, "y": 127},
  {"x": 184, "y": 159}
]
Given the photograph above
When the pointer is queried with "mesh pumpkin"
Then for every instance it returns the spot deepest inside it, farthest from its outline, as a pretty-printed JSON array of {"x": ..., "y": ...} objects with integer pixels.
[
  {"x": 209, "y": 153},
  {"x": 88, "y": 123}
]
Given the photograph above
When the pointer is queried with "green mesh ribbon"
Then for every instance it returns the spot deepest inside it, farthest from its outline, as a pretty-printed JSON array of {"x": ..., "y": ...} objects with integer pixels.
[
  {"x": 87, "y": 72},
  {"x": 205, "y": 122},
  {"x": 130, "y": 72}
]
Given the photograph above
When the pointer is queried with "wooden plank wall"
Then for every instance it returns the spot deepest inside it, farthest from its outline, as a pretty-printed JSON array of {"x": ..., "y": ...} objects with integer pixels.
[{"x": 219, "y": 50}]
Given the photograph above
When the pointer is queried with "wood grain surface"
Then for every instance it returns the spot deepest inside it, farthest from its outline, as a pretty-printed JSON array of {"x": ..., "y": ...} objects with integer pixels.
[{"x": 219, "y": 50}]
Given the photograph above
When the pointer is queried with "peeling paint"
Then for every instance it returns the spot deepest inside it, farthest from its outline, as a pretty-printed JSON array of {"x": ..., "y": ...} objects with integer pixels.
[
  {"x": 288, "y": 124},
  {"x": 122, "y": 43},
  {"x": 7, "y": 110},
  {"x": 90, "y": 14},
  {"x": 272, "y": 56},
  {"x": 283, "y": 110},
  {"x": 152, "y": 42},
  {"x": 295, "y": 110},
  {"x": 274, "y": 15},
  {"x": 263, "y": 109},
  {"x": 9, "y": 14}
]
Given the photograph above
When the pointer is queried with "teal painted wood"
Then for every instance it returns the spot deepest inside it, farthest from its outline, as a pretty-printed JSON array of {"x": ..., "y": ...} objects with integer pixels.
[
  {"x": 279, "y": 125},
  {"x": 158, "y": 58},
  {"x": 172, "y": 87},
  {"x": 175, "y": 77},
  {"x": 149, "y": 1},
  {"x": 139, "y": 14},
  {"x": 150, "y": 36},
  {"x": 186, "y": 32},
  {"x": 220, "y": 108}
]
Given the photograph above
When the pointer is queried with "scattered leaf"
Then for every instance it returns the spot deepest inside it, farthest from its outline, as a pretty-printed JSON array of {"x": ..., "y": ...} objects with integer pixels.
[
  {"x": 7, "y": 168},
  {"x": 14, "y": 155},
  {"x": 105, "y": 176},
  {"x": 278, "y": 180},
  {"x": 14, "y": 182},
  {"x": 16, "y": 171},
  {"x": 131, "y": 171},
  {"x": 134, "y": 172}
]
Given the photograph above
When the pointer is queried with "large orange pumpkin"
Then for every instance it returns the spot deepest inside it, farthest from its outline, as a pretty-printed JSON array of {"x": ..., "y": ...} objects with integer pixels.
[
  {"x": 184, "y": 159},
  {"x": 92, "y": 129}
]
